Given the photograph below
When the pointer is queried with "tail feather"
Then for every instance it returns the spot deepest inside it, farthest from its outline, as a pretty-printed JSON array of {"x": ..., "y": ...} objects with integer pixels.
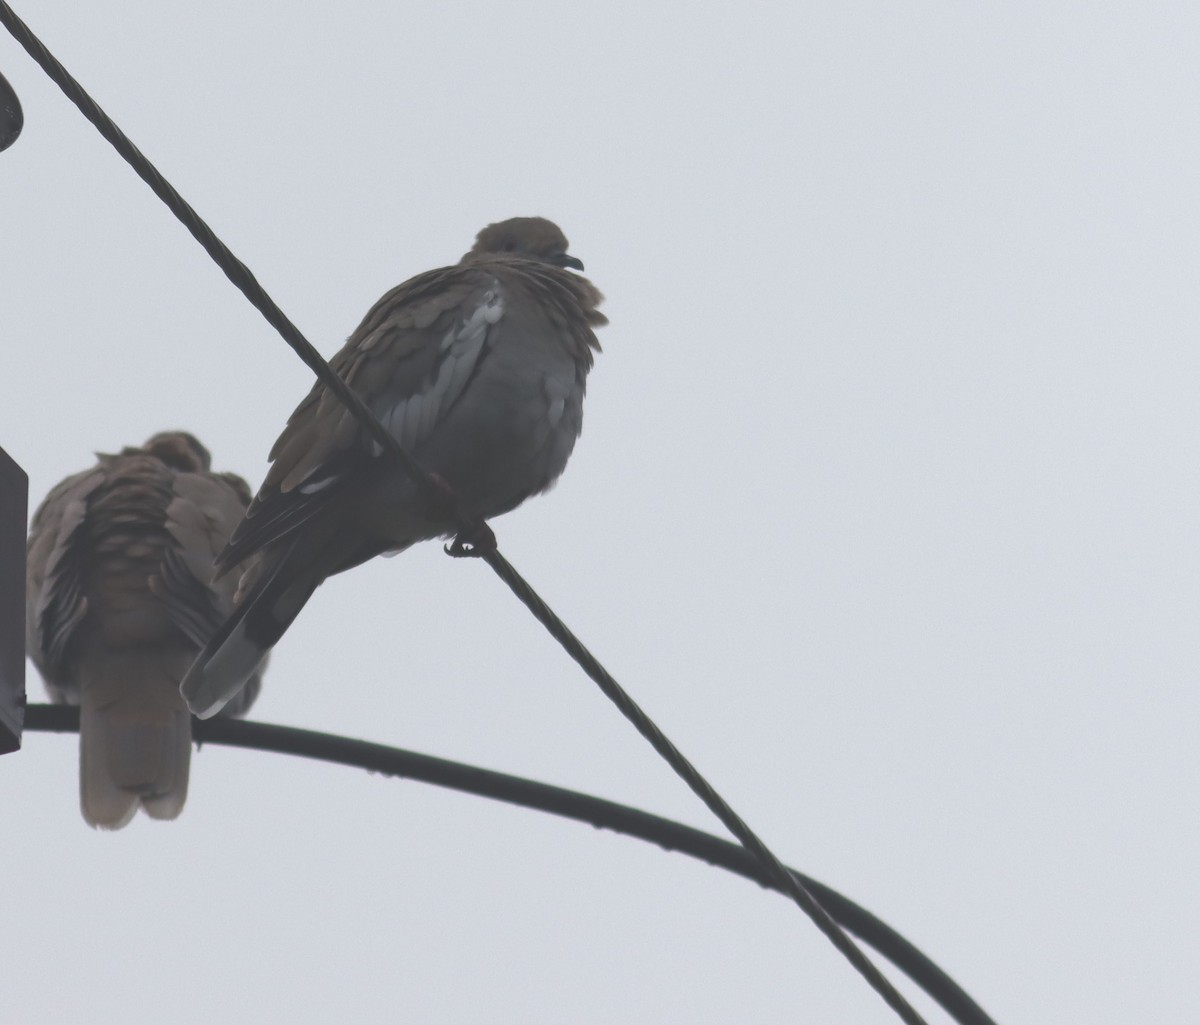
[
  {"x": 239, "y": 647},
  {"x": 167, "y": 806},
  {"x": 135, "y": 739}
]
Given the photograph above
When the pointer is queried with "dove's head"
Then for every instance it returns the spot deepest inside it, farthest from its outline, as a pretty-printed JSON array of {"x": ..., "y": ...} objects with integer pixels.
[
  {"x": 534, "y": 238},
  {"x": 178, "y": 449}
]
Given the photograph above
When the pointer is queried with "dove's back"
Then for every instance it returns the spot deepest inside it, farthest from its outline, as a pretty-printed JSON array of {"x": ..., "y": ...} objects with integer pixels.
[{"x": 120, "y": 600}]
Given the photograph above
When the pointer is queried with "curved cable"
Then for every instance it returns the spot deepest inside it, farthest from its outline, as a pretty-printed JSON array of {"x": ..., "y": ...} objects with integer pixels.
[{"x": 571, "y": 804}]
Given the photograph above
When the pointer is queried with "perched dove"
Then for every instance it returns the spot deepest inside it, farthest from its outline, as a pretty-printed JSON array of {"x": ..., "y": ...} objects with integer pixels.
[
  {"x": 119, "y": 601},
  {"x": 478, "y": 371}
]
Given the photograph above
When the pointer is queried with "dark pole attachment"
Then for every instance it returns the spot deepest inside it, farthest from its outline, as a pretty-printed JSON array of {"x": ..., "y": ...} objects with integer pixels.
[{"x": 11, "y": 118}]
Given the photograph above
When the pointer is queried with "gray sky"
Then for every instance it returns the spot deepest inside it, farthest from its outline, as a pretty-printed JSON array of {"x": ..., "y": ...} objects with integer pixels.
[{"x": 886, "y": 504}]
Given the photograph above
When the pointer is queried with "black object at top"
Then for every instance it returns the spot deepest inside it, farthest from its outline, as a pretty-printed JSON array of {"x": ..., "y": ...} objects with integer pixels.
[{"x": 11, "y": 118}]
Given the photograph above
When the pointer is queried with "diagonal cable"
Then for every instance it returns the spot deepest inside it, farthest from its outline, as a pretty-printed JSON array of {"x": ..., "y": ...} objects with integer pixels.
[{"x": 244, "y": 280}]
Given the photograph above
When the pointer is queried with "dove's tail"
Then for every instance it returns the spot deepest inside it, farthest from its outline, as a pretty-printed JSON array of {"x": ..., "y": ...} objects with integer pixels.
[
  {"x": 244, "y": 640},
  {"x": 135, "y": 737}
]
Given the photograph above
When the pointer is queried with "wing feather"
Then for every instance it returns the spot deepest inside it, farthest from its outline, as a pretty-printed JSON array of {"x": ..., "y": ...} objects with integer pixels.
[
  {"x": 411, "y": 360},
  {"x": 203, "y": 512},
  {"x": 55, "y": 600}
]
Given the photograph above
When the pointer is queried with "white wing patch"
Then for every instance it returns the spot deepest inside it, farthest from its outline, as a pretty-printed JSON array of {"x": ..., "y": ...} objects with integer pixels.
[
  {"x": 311, "y": 487},
  {"x": 412, "y": 418},
  {"x": 556, "y": 393}
]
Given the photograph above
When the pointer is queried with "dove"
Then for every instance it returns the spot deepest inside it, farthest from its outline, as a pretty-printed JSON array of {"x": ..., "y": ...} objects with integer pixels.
[
  {"x": 119, "y": 600},
  {"x": 478, "y": 370}
]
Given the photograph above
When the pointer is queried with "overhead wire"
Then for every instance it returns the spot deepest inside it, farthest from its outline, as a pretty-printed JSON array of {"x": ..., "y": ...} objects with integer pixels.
[{"x": 571, "y": 804}]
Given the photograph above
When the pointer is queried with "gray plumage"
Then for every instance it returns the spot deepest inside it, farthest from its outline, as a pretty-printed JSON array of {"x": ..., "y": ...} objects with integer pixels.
[
  {"x": 119, "y": 600},
  {"x": 478, "y": 370}
]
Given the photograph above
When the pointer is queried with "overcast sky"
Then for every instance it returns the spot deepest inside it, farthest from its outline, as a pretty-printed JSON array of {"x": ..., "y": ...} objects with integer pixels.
[{"x": 886, "y": 505}]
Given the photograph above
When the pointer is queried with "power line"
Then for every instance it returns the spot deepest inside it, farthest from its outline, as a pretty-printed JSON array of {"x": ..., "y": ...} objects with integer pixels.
[
  {"x": 477, "y": 536},
  {"x": 571, "y": 804}
]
